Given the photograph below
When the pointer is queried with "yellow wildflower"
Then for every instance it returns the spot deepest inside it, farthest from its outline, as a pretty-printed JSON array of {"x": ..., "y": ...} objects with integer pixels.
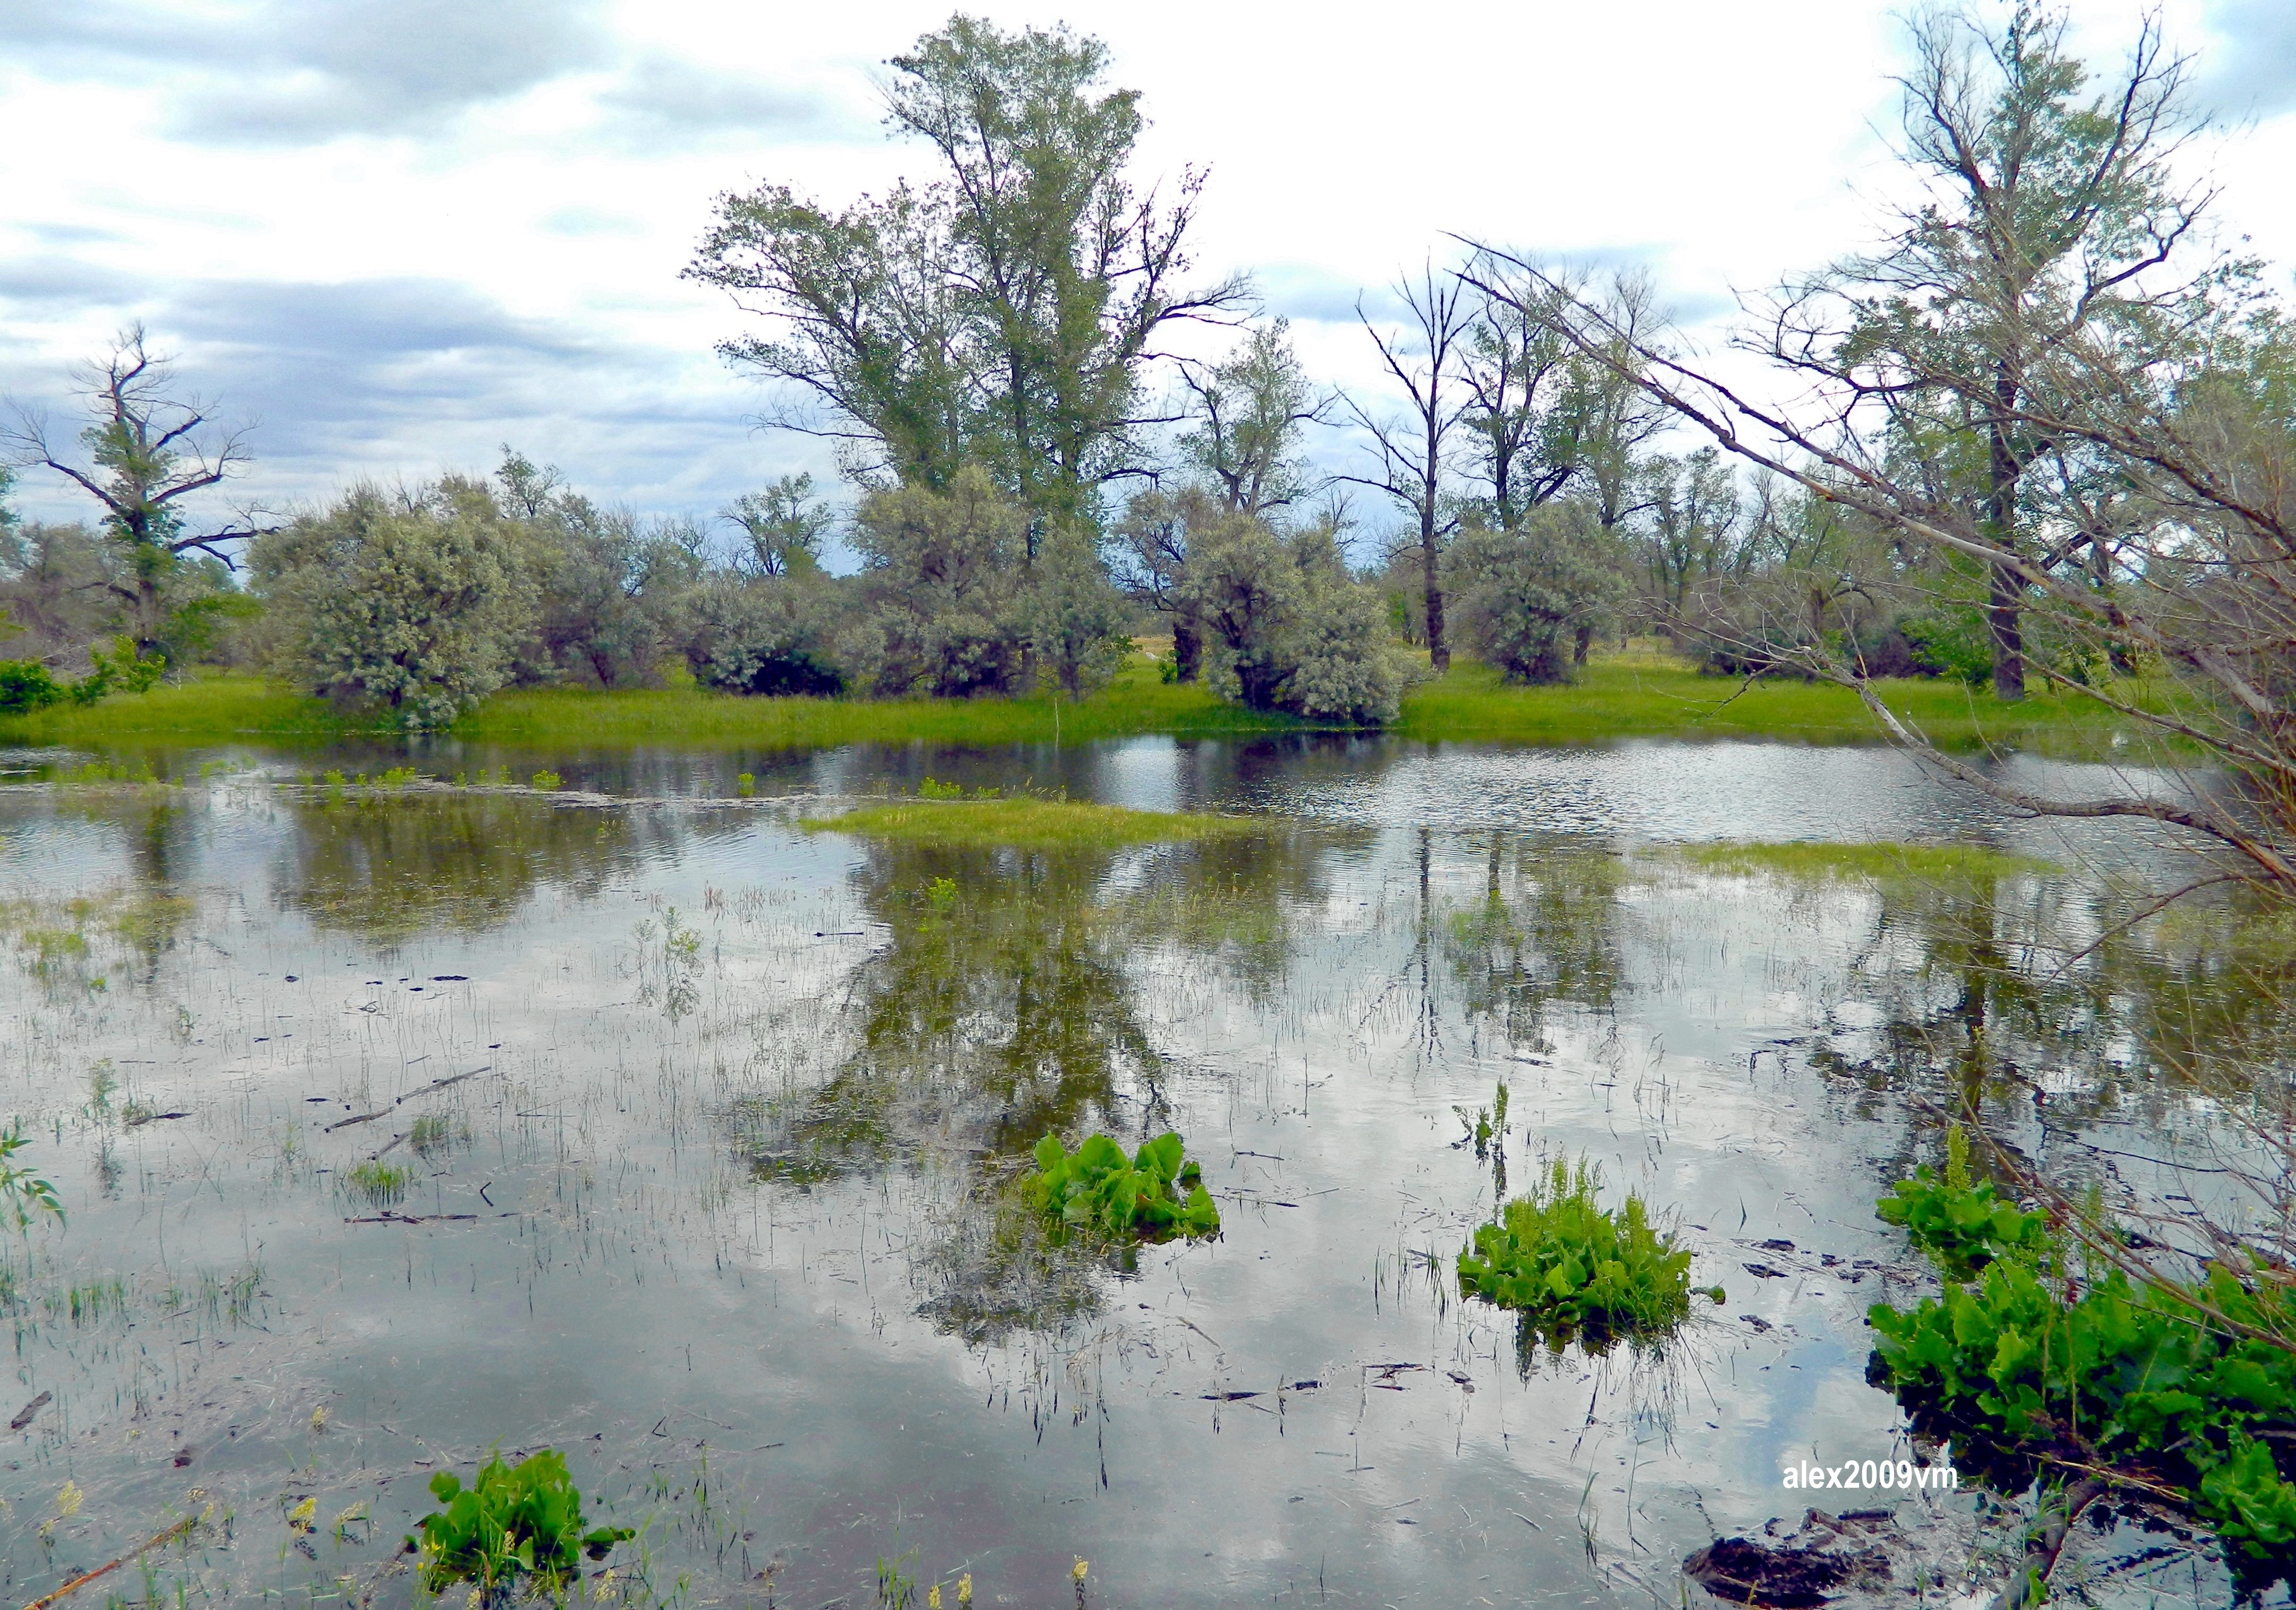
[
  {"x": 1078, "y": 1571},
  {"x": 304, "y": 1514},
  {"x": 964, "y": 1588},
  {"x": 69, "y": 1498},
  {"x": 932, "y": 1598},
  {"x": 319, "y": 1418}
]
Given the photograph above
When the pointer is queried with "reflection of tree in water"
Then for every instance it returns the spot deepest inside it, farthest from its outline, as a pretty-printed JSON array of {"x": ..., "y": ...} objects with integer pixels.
[
  {"x": 388, "y": 868},
  {"x": 144, "y": 915},
  {"x": 1007, "y": 1005},
  {"x": 1545, "y": 931},
  {"x": 2021, "y": 999}
]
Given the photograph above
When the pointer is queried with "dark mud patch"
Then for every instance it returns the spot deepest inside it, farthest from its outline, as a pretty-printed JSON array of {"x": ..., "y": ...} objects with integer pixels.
[{"x": 1825, "y": 1558}]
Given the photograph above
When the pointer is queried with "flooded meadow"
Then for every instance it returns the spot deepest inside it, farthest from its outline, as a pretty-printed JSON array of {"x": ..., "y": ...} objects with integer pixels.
[{"x": 652, "y": 1119}]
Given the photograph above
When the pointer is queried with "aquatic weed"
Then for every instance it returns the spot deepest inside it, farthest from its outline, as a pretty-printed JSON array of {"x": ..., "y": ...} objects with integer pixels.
[
  {"x": 381, "y": 1183},
  {"x": 1569, "y": 1264},
  {"x": 23, "y": 1194},
  {"x": 1153, "y": 1195},
  {"x": 512, "y": 1523},
  {"x": 435, "y": 1132},
  {"x": 2180, "y": 1388}
]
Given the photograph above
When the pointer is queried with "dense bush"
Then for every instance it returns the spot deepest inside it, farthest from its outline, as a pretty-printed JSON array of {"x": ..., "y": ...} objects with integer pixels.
[
  {"x": 415, "y": 602},
  {"x": 1520, "y": 598},
  {"x": 752, "y": 636},
  {"x": 26, "y": 685},
  {"x": 1076, "y": 618},
  {"x": 943, "y": 604},
  {"x": 1287, "y": 627}
]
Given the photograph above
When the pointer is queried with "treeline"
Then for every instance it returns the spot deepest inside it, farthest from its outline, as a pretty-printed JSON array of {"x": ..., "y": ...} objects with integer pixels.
[{"x": 997, "y": 351}]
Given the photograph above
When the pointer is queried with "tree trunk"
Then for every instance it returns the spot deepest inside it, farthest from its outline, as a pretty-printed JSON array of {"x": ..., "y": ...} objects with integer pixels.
[
  {"x": 2007, "y": 613},
  {"x": 1188, "y": 648},
  {"x": 1584, "y": 640},
  {"x": 2007, "y": 596},
  {"x": 1439, "y": 652}
]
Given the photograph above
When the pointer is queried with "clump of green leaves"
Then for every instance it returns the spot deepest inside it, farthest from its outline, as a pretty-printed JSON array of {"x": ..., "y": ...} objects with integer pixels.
[
  {"x": 381, "y": 1183},
  {"x": 24, "y": 1196},
  {"x": 515, "y": 1525},
  {"x": 1152, "y": 1195},
  {"x": 1569, "y": 1263},
  {"x": 1961, "y": 1227},
  {"x": 2036, "y": 1368}
]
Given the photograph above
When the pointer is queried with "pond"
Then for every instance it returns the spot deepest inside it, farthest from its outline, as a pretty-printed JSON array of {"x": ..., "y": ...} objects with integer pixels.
[{"x": 651, "y": 1124}]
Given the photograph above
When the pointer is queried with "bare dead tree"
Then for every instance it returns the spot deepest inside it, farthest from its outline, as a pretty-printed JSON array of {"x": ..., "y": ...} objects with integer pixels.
[
  {"x": 148, "y": 448},
  {"x": 1415, "y": 453}
]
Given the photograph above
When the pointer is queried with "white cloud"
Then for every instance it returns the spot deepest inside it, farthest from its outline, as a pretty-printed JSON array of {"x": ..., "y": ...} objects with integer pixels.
[{"x": 401, "y": 232}]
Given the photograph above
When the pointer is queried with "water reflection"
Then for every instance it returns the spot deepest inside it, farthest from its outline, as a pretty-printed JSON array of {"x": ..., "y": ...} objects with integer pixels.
[
  {"x": 1006, "y": 997},
  {"x": 743, "y": 1179},
  {"x": 1545, "y": 931},
  {"x": 387, "y": 868}
]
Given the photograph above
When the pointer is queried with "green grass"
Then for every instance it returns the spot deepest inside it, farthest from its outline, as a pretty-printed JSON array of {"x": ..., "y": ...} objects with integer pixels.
[
  {"x": 1135, "y": 703},
  {"x": 1649, "y": 696},
  {"x": 1030, "y": 824},
  {"x": 1873, "y": 862},
  {"x": 1629, "y": 695},
  {"x": 209, "y": 707}
]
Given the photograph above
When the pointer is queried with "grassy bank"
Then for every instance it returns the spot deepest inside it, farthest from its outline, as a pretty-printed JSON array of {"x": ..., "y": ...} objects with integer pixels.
[
  {"x": 1877, "y": 863},
  {"x": 1637, "y": 696},
  {"x": 1030, "y": 824},
  {"x": 1641, "y": 696}
]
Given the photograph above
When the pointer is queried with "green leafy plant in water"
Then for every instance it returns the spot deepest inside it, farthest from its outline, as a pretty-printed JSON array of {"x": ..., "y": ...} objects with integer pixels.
[
  {"x": 514, "y": 1526},
  {"x": 1961, "y": 1227},
  {"x": 381, "y": 1183},
  {"x": 1488, "y": 1124},
  {"x": 24, "y": 1196},
  {"x": 2035, "y": 1367},
  {"x": 1568, "y": 1263},
  {"x": 547, "y": 782},
  {"x": 745, "y": 785},
  {"x": 930, "y": 789},
  {"x": 1152, "y": 1195}
]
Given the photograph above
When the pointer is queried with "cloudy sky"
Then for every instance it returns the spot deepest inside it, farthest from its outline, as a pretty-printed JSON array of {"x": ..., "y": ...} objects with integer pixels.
[{"x": 396, "y": 233}]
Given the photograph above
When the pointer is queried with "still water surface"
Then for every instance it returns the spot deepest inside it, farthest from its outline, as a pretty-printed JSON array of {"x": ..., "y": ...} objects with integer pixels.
[{"x": 707, "y": 1204}]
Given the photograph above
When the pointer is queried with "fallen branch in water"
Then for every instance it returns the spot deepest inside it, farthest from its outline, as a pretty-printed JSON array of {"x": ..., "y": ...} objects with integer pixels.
[{"x": 77, "y": 1582}]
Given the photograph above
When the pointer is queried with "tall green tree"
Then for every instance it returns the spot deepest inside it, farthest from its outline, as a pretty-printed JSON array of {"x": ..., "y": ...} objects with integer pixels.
[
  {"x": 148, "y": 448},
  {"x": 1245, "y": 416},
  {"x": 1001, "y": 312},
  {"x": 783, "y": 525},
  {"x": 2051, "y": 215}
]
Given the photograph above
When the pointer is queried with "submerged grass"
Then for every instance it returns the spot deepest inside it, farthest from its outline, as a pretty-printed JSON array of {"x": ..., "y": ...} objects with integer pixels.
[
  {"x": 1029, "y": 823},
  {"x": 1880, "y": 862},
  {"x": 1640, "y": 693}
]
